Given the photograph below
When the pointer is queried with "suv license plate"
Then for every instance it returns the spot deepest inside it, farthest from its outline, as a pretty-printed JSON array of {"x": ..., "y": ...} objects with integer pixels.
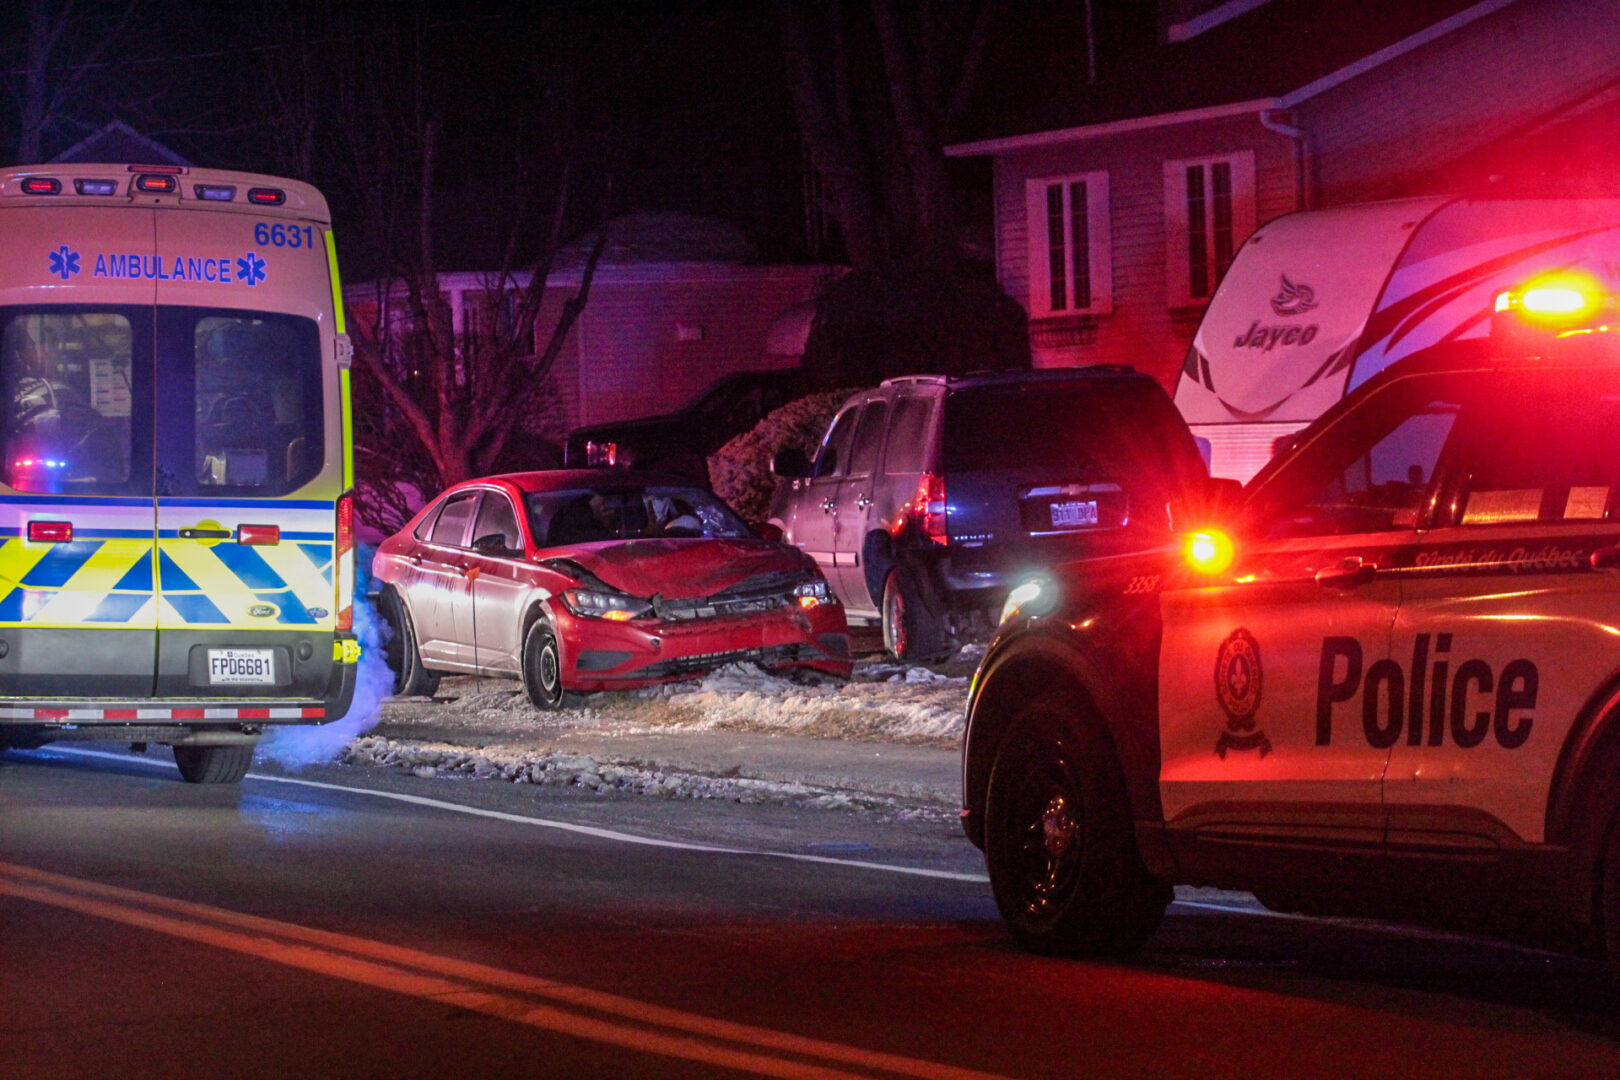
[
  {"x": 1073, "y": 515},
  {"x": 241, "y": 667}
]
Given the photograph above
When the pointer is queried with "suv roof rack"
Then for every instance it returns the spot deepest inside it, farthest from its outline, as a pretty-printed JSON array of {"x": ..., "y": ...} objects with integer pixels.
[{"x": 1005, "y": 375}]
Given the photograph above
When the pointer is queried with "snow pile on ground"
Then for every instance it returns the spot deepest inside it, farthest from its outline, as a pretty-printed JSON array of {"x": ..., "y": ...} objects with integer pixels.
[
  {"x": 560, "y": 769},
  {"x": 884, "y": 702}
]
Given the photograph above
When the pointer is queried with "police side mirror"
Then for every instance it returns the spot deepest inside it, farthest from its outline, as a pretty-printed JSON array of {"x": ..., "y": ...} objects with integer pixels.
[{"x": 791, "y": 463}]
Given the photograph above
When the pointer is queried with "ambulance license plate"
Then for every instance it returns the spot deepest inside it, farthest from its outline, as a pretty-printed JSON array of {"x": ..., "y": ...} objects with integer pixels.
[
  {"x": 1073, "y": 515},
  {"x": 241, "y": 667}
]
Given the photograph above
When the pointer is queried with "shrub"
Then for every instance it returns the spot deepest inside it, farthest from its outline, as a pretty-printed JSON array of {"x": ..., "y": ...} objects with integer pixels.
[{"x": 740, "y": 471}]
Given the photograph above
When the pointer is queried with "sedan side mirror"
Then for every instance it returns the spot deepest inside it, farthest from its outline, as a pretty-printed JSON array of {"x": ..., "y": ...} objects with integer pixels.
[
  {"x": 491, "y": 544},
  {"x": 790, "y": 462}
]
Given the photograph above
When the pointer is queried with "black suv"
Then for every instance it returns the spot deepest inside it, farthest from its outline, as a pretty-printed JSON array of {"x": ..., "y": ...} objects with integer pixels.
[
  {"x": 931, "y": 495},
  {"x": 681, "y": 442}
]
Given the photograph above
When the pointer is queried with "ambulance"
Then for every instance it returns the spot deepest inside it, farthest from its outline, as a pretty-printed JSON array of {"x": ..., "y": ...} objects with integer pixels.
[
  {"x": 1382, "y": 680},
  {"x": 176, "y": 517},
  {"x": 1318, "y": 302}
]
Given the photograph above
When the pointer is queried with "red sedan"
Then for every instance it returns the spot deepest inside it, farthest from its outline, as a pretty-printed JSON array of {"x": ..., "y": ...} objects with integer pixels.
[{"x": 583, "y": 580}]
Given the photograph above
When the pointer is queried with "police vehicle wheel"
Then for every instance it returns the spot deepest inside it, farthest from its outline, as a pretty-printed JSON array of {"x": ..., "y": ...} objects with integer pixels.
[
  {"x": 910, "y": 631},
  {"x": 542, "y": 670},
  {"x": 213, "y": 764},
  {"x": 1060, "y": 844},
  {"x": 410, "y": 677},
  {"x": 1610, "y": 893}
]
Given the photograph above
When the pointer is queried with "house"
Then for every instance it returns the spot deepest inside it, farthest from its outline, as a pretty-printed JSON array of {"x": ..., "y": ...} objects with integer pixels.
[
  {"x": 675, "y": 303},
  {"x": 1116, "y": 216}
]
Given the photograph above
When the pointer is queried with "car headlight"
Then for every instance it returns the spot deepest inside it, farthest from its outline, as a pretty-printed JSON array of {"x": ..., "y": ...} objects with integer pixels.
[
  {"x": 615, "y": 607},
  {"x": 1035, "y": 596},
  {"x": 813, "y": 594}
]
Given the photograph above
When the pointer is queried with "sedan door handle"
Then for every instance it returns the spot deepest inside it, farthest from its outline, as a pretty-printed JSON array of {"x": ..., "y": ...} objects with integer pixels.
[{"x": 1352, "y": 573}]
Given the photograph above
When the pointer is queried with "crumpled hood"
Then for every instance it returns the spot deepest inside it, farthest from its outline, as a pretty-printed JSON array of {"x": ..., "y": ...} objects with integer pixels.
[{"x": 680, "y": 567}]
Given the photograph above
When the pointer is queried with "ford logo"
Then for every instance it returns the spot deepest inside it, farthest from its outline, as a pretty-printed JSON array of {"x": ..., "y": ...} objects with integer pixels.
[
  {"x": 261, "y": 611},
  {"x": 317, "y": 612}
]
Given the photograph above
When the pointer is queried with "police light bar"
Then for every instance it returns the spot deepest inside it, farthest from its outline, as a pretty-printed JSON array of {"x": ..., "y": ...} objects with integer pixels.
[{"x": 1208, "y": 551}]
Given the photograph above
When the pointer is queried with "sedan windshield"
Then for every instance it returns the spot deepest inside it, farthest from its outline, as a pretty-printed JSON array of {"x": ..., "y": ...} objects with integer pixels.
[{"x": 590, "y": 515}]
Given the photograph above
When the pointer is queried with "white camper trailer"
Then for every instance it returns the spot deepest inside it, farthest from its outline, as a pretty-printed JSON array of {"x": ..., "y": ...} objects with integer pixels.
[{"x": 1317, "y": 302}]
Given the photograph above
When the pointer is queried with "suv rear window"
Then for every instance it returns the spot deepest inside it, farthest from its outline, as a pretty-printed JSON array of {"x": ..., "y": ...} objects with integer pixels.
[{"x": 1119, "y": 426}]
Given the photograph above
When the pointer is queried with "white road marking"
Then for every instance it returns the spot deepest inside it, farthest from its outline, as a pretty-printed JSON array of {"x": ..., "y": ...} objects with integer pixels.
[{"x": 563, "y": 826}]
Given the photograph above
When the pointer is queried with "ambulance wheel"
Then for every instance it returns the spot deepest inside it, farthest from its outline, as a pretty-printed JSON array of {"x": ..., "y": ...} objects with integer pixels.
[
  {"x": 1059, "y": 840},
  {"x": 542, "y": 670},
  {"x": 410, "y": 677},
  {"x": 213, "y": 764},
  {"x": 911, "y": 632}
]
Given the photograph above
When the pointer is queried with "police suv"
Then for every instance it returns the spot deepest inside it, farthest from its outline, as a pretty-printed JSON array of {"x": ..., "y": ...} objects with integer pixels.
[{"x": 1388, "y": 684}]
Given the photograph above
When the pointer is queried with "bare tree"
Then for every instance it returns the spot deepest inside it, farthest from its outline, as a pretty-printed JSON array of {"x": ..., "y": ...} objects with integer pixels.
[
  {"x": 437, "y": 402},
  {"x": 65, "y": 46},
  {"x": 877, "y": 85}
]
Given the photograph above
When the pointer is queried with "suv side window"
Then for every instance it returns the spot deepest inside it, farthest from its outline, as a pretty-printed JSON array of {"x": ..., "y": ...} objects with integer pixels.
[
  {"x": 835, "y": 447},
  {"x": 908, "y": 437},
  {"x": 1373, "y": 472},
  {"x": 868, "y": 439}
]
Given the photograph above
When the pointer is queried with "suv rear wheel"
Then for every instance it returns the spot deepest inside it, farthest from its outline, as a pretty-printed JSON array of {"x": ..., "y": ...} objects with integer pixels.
[
  {"x": 911, "y": 632},
  {"x": 1059, "y": 840}
]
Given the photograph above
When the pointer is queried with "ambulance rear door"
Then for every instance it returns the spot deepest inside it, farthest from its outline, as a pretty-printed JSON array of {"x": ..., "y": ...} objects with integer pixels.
[
  {"x": 77, "y": 611},
  {"x": 249, "y": 455}
]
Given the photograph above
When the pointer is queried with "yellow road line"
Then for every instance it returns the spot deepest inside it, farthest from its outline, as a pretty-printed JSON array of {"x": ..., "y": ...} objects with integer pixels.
[{"x": 469, "y": 985}]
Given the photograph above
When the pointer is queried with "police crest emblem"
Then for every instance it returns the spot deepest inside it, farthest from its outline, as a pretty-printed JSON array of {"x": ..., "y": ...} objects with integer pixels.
[{"x": 1237, "y": 688}]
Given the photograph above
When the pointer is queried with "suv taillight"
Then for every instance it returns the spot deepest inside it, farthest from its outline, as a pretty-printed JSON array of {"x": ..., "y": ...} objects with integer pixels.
[{"x": 928, "y": 508}]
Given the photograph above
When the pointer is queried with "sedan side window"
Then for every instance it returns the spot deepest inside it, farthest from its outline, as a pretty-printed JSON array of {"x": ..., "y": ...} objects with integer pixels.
[
  {"x": 496, "y": 518},
  {"x": 451, "y": 528}
]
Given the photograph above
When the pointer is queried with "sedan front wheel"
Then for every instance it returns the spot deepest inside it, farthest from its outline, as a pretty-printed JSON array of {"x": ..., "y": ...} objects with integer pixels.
[{"x": 542, "y": 670}]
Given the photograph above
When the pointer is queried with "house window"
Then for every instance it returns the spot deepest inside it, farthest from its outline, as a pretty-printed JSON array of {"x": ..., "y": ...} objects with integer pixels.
[
  {"x": 1209, "y": 211},
  {"x": 1070, "y": 264}
]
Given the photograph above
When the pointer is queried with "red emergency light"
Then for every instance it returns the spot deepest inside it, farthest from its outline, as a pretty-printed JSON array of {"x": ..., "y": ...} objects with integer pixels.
[
  {"x": 258, "y": 534},
  {"x": 156, "y": 184},
  {"x": 50, "y": 532},
  {"x": 266, "y": 196},
  {"x": 42, "y": 185}
]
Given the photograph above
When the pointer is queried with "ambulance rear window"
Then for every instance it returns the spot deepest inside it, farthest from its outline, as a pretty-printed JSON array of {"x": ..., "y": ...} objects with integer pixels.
[
  {"x": 256, "y": 401},
  {"x": 68, "y": 378}
]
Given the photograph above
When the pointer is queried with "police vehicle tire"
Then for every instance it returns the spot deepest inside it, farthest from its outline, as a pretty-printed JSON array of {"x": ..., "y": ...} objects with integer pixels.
[
  {"x": 911, "y": 632},
  {"x": 542, "y": 670},
  {"x": 410, "y": 677},
  {"x": 1059, "y": 841},
  {"x": 213, "y": 764},
  {"x": 1609, "y": 892}
]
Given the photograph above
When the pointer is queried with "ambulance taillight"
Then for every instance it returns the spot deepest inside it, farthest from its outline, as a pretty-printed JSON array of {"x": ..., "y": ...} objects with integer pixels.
[{"x": 345, "y": 562}]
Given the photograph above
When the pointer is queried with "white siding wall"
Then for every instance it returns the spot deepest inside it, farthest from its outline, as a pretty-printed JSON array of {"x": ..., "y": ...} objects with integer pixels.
[{"x": 1143, "y": 330}]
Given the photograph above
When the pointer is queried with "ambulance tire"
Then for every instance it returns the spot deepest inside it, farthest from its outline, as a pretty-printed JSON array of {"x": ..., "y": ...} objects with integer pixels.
[
  {"x": 213, "y": 764},
  {"x": 411, "y": 679},
  {"x": 912, "y": 632},
  {"x": 1060, "y": 844},
  {"x": 542, "y": 670}
]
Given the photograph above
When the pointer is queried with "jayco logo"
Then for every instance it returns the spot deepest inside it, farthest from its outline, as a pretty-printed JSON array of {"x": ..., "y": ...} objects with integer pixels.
[
  {"x": 1290, "y": 300},
  {"x": 1293, "y": 299}
]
